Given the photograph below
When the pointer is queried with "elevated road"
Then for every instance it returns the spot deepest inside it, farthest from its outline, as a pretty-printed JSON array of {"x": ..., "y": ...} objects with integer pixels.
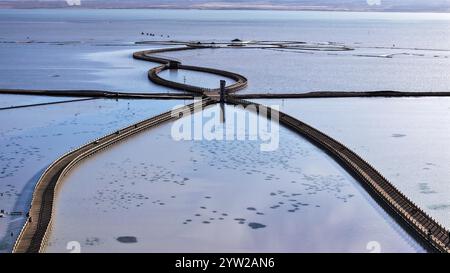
[
  {"x": 417, "y": 222},
  {"x": 35, "y": 232},
  {"x": 407, "y": 213},
  {"x": 240, "y": 81}
]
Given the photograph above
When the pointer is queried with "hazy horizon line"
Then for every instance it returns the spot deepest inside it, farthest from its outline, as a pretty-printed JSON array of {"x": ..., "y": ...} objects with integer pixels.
[{"x": 447, "y": 10}]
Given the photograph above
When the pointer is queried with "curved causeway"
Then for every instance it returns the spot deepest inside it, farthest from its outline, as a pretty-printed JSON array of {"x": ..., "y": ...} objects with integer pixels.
[
  {"x": 35, "y": 232},
  {"x": 240, "y": 81}
]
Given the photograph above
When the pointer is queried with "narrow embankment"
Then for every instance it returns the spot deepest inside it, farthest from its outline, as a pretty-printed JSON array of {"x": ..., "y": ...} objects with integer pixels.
[
  {"x": 341, "y": 94},
  {"x": 43, "y": 104},
  {"x": 263, "y": 95},
  {"x": 97, "y": 94}
]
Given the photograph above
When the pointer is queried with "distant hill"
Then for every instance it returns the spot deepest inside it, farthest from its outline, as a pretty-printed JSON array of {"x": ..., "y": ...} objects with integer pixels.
[{"x": 340, "y": 5}]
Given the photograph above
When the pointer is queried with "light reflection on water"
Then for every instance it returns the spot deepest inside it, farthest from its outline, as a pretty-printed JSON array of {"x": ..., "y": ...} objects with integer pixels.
[
  {"x": 25, "y": 54},
  {"x": 404, "y": 138},
  {"x": 37, "y": 135},
  {"x": 86, "y": 65},
  {"x": 206, "y": 80},
  {"x": 218, "y": 196}
]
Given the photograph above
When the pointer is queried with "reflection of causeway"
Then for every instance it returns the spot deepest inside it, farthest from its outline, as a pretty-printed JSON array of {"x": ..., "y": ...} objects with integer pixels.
[{"x": 419, "y": 224}]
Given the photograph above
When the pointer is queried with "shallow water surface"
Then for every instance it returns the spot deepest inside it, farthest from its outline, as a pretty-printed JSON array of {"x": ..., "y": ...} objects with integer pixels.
[
  {"x": 406, "y": 139},
  {"x": 93, "y": 45},
  {"x": 218, "y": 196},
  {"x": 206, "y": 80},
  {"x": 38, "y": 135}
]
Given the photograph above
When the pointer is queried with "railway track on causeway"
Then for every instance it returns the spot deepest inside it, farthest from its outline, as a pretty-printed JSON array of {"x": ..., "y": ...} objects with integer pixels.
[{"x": 418, "y": 223}]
